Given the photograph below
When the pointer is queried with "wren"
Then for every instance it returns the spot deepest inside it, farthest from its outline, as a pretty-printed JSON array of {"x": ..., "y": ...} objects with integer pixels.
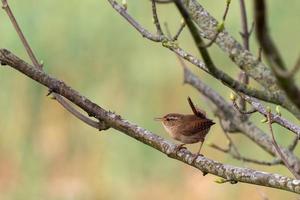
[{"x": 187, "y": 128}]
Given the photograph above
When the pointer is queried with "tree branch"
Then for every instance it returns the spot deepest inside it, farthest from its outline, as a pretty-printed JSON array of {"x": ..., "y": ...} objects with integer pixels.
[
  {"x": 214, "y": 97},
  {"x": 156, "y": 20},
  {"x": 276, "y": 118},
  {"x": 280, "y": 154},
  {"x": 25, "y": 43},
  {"x": 245, "y": 159},
  {"x": 243, "y": 58},
  {"x": 218, "y": 74},
  {"x": 144, "y": 32},
  {"x": 227, "y": 112},
  {"x": 35, "y": 62},
  {"x": 228, "y": 172},
  {"x": 243, "y": 77},
  {"x": 273, "y": 56},
  {"x": 239, "y": 55}
]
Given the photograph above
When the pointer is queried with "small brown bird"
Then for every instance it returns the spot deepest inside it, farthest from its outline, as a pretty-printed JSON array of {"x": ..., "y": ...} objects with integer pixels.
[{"x": 187, "y": 128}]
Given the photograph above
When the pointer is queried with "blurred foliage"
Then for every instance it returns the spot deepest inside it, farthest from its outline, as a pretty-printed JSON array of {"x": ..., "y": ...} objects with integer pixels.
[{"x": 45, "y": 153}]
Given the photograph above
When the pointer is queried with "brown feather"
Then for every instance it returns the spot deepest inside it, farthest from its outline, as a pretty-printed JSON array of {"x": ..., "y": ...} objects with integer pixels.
[
  {"x": 196, "y": 110},
  {"x": 195, "y": 125}
]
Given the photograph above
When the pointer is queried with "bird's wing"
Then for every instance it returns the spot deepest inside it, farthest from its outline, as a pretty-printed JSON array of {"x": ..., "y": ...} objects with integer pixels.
[{"x": 195, "y": 128}]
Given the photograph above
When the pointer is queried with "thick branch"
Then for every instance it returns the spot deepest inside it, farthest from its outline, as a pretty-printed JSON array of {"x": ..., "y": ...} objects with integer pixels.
[{"x": 115, "y": 121}]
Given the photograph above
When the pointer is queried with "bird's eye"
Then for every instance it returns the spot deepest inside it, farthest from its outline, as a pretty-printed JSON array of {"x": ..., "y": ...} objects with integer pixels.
[{"x": 171, "y": 118}]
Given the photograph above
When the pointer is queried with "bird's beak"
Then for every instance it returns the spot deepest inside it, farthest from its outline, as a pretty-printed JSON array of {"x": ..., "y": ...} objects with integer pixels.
[{"x": 158, "y": 118}]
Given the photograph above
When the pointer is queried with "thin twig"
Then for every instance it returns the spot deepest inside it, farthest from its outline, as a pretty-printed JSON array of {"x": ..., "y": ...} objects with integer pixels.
[
  {"x": 243, "y": 77},
  {"x": 25, "y": 43},
  {"x": 35, "y": 62},
  {"x": 212, "y": 40},
  {"x": 294, "y": 144},
  {"x": 263, "y": 35},
  {"x": 251, "y": 29},
  {"x": 259, "y": 54},
  {"x": 98, "y": 125},
  {"x": 291, "y": 73},
  {"x": 220, "y": 26},
  {"x": 182, "y": 25},
  {"x": 163, "y": 1},
  {"x": 233, "y": 151},
  {"x": 245, "y": 32},
  {"x": 156, "y": 20},
  {"x": 231, "y": 144},
  {"x": 144, "y": 32},
  {"x": 296, "y": 68},
  {"x": 272, "y": 53},
  {"x": 245, "y": 159},
  {"x": 177, "y": 34},
  {"x": 278, "y": 150},
  {"x": 243, "y": 111},
  {"x": 275, "y": 117}
]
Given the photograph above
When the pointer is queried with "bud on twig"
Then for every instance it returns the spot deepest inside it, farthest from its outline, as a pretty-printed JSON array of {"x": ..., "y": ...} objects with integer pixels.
[
  {"x": 265, "y": 120},
  {"x": 182, "y": 21},
  {"x": 232, "y": 96},
  {"x": 278, "y": 110},
  {"x": 124, "y": 4},
  {"x": 220, "y": 27}
]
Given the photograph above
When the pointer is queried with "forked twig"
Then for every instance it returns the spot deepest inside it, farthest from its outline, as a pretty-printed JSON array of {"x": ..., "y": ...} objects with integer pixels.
[
  {"x": 182, "y": 25},
  {"x": 25, "y": 43},
  {"x": 291, "y": 73},
  {"x": 155, "y": 18},
  {"x": 243, "y": 111},
  {"x": 233, "y": 151},
  {"x": 278, "y": 150},
  {"x": 275, "y": 117},
  {"x": 220, "y": 26},
  {"x": 243, "y": 77}
]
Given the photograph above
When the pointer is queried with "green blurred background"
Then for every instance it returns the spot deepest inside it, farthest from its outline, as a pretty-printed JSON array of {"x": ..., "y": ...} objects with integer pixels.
[{"x": 45, "y": 153}]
